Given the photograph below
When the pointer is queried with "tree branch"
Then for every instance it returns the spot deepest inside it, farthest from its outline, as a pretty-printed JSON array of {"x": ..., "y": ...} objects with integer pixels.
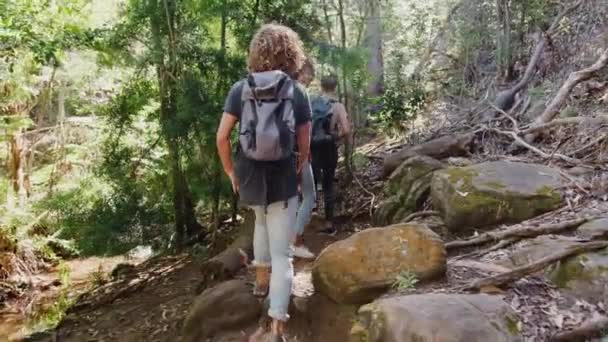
[
  {"x": 518, "y": 232},
  {"x": 572, "y": 81},
  {"x": 520, "y": 272}
]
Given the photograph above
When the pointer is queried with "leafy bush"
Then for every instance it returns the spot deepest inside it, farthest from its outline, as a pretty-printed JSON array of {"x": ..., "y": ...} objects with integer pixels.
[{"x": 399, "y": 105}]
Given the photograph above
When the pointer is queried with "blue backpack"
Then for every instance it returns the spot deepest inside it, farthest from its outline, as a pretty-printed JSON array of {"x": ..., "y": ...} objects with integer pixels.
[{"x": 321, "y": 120}]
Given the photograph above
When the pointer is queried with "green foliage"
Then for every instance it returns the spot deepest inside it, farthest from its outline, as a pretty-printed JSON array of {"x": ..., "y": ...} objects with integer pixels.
[
  {"x": 50, "y": 316},
  {"x": 405, "y": 281},
  {"x": 401, "y": 101}
]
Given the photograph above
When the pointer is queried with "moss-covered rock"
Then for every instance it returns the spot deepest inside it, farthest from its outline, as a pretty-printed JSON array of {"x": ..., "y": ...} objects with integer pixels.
[
  {"x": 406, "y": 190},
  {"x": 585, "y": 276},
  {"x": 436, "y": 317},
  {"x": 360, "y": 268},
  {"x": 494, "y": 192}
]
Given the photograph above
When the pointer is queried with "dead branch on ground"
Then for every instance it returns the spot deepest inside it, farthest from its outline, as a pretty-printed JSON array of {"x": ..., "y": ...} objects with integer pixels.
[
  {"x": 521, "y": 142},
  {"x": 453, "y": 145},
  {"x": 588, "y": 330},
  {"x": 517, "y": 232},
  {"x": 535, "y": 129},
  {"x": 539, "y": 265},
  {"x": 560, "y": 98},
  {"x": 505, "y": 100}
]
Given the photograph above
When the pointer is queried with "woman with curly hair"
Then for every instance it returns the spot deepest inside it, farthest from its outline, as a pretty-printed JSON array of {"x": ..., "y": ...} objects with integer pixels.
[{"x": 274, "y": 116}]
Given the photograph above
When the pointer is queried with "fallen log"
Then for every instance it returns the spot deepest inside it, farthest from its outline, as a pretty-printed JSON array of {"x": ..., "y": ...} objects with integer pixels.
[
  {"x": 227, "y": 263},
  {"x": 592, "y": 329},
  {"x": 454, "y": 145},
  {"x": 518, "y": 232},
  {"x": 520, "y": 272},
  {"x": 560, "y": 98}
]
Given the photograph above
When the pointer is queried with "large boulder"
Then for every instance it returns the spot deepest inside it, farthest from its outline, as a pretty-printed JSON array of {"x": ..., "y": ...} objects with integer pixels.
[
  {"x": 226, "y": 306},
  {"x": 406, "y": 189},
  {"x": 360, "y": 268},
  {"x": 494, "y": 192},
  {"x": 437, "y": 317},
  {"x": 596, "y": 229},
  {"x": 584, "y": 276}
]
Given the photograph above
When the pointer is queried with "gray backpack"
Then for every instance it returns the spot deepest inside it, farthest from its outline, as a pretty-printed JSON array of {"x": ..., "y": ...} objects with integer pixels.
[{"x": 267, "y": 124}]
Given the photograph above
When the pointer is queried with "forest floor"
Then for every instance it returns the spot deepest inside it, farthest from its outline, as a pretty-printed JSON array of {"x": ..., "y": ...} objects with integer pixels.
[
  {"x": 77, "y": 276},
  {"x": 156, "y": 311}
]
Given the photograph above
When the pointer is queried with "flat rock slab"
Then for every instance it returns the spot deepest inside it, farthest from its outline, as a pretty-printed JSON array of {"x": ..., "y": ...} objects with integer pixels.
[
  {"x": 437, "y": 317},
  {"x": 358, "y": 269},
  {"x": 535, "y": 249},
  {"x": 596, "y": 229},
  {"x": 494, "y": 192}
]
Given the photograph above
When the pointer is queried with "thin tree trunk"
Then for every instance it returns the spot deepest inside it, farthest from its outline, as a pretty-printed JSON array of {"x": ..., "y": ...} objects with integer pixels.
[
  {"x": 373, "y": 41},
  {"x": 343, "y": 41},
  {"x": 503, "y": 40},
  {"x": 327, "y": 21}
]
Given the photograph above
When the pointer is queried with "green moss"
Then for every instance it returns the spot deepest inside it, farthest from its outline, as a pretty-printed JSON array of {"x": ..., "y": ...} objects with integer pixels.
[
  {"x": 512, "y": 324},
  {"x": 573, "y": 269},
  {"x": 495, "y": 185},
  {"x": 568, "y": 270},
  {"x": 469, "y": 206}
]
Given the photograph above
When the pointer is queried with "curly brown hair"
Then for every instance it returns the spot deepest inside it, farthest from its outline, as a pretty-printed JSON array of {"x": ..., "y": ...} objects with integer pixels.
[{"x": 276, "y": 47}]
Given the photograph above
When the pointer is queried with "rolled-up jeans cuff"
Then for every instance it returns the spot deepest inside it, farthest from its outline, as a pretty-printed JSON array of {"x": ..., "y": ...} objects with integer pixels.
[{"x": 260, "y": 264}]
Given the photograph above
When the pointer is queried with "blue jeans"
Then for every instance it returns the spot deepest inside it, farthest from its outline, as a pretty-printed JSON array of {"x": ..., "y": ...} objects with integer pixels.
[
  {"x": 308, "y": 199},
  {"x": 272, "y": 246}
]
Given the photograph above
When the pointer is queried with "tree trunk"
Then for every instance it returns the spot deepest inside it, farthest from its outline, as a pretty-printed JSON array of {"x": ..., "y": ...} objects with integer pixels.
[
  {"x": 503, "y": 40},
  {"x": 327, "y": 21},
  {"x": 343, "y": 41},
  {"x": 164, "y": 13},
  {"x": 373, "y": 42}
]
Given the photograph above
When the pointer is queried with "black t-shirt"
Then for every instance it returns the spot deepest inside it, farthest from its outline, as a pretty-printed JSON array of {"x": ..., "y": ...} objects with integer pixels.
[{"x": 263, "y": 183}]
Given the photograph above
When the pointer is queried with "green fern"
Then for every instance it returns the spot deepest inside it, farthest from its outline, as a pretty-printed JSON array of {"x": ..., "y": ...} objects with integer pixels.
[{"x": 405, "y": 281}]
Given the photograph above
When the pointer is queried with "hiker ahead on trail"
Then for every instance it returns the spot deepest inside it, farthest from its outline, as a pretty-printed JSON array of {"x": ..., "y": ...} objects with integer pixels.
[
  {"x": 273, "y": 112},
  {"x": 329, "y": 126},
  {"x": 307, "y": 183}
]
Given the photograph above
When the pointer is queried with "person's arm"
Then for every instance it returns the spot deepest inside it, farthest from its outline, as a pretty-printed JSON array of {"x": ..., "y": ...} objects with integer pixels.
[
  {"x": 223, "y": 146},
  {"x": 343, "y": 122},
  {"x": 303, "y": 141}
]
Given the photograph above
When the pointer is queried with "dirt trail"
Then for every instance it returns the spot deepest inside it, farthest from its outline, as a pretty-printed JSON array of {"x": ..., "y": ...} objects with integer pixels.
[
  {"x": 16, "y": 318},
  {"x": 156, "y": 311}
]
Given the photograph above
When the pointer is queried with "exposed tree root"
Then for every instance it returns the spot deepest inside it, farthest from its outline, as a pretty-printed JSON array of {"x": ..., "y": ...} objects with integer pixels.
[
  {"x": 421, "y": 214},
  {"x": 520, "y": 272},
  {"x": 592, "y": 329},
  {"x": 517, "y": 233}
]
